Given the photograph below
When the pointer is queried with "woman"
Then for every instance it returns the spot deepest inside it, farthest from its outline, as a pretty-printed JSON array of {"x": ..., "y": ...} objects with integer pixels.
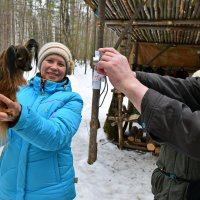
[{"x": 37, "y": 162}]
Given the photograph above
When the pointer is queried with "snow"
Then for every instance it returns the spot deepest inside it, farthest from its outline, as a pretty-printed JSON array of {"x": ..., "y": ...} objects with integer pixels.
[{"x": 116, "y": 174}]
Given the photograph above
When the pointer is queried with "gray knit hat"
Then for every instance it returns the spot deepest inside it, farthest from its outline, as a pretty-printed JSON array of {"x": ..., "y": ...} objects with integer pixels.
[{"x": 59, "y": 49}]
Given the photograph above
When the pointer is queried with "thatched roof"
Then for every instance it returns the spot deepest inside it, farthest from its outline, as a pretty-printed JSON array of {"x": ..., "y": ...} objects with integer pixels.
[
  {"x": 156, "y": 21},
  {"x": 159, "y": 23}
]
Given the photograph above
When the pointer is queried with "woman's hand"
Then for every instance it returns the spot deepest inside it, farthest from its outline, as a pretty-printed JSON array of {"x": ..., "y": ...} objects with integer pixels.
[{"x": 12, "y": 112}]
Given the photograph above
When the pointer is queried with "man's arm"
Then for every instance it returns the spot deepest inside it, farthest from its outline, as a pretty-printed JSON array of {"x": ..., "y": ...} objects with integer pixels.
[
  {"x": 183, "y": 90},
  {"x": 166, "y": 118}
]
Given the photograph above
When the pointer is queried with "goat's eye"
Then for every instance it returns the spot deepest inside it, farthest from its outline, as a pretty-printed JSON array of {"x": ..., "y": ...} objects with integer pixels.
[{"x": 20, "y": 58}]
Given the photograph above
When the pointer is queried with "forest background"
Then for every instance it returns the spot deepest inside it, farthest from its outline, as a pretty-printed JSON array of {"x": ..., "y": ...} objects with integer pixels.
[{"x": 71, "y": 22}]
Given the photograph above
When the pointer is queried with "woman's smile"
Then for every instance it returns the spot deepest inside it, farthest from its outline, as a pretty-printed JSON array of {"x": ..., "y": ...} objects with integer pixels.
[{"x": 53, "y": 68}]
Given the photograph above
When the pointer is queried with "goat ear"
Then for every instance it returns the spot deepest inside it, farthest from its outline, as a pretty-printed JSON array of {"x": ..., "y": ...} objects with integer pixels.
[
  {"x": 11, "y": 57},
  {"x": 33, "y": 47}
]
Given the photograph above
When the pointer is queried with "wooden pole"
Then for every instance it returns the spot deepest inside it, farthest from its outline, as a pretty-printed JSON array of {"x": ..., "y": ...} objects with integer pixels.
[
  {"x": 129, "y": 24},
  {"x": 120, "y": 120},
  {"x": 94, "y": 124},
  {"x": 135, "y": 59}
]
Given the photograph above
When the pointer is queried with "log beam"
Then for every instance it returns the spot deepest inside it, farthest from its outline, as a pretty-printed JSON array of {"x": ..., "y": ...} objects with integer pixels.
[{"x": 152, "y": 22}]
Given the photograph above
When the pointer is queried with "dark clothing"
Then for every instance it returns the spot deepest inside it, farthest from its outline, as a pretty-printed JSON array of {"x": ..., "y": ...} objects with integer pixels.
[
  {"x": 171, "y": 111},
  {"x": 181, "y": 74},
  {"x": 172, "y": 114},
  {"x": 176, "y": 173}
]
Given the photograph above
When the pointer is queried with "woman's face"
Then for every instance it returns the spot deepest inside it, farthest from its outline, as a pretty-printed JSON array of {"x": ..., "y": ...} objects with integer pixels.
[{"x": 53, "y": 68}]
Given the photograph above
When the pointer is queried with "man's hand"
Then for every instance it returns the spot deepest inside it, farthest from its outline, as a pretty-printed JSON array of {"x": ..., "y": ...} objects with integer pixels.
[
  {"x": 13, "y": 111},
  {"x": 116, "y": 67}
]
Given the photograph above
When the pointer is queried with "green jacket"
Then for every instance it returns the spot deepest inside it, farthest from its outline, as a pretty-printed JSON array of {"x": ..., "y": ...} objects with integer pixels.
[{"x": 173, "y": 162}]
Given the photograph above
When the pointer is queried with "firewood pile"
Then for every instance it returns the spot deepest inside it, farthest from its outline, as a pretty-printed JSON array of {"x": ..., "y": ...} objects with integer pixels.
[
  {"x": 130, "y": 133},
  {"x": 137, "y": 138}
]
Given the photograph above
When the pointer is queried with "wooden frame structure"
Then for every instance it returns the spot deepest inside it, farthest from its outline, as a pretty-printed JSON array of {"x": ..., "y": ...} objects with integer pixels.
[
  {"x": 160, "y": 23},
  {"x": 157, "y": 21}
]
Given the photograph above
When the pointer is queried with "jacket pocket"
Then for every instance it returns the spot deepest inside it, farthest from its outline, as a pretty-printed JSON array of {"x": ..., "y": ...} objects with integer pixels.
[
  {"x": 42, "y": 173},
  {"x": 193, "y": 191},
  {"x": 157, "y": 179}
]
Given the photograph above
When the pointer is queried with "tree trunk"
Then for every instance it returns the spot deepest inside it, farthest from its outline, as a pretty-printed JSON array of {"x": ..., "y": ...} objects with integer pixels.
[{"x": 86, "y": 39}]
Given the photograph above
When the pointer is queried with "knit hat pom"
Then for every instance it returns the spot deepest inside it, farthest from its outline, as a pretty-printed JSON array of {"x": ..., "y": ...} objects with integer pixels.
[{"x": 59, "y": 49}]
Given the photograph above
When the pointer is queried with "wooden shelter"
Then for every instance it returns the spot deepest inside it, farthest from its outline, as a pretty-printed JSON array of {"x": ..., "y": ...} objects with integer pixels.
[
  {"x": 157, "y": 33},
  {"x": 159, "y": 24}
]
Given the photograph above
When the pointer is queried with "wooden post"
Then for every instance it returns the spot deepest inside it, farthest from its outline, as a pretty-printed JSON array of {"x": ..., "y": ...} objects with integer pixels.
[
  {"x": 133, "y": 17},
  {"x": 120, "y": 120},
  {"x": 135, "y": 61},
  {"x": 94, "y": 124}
]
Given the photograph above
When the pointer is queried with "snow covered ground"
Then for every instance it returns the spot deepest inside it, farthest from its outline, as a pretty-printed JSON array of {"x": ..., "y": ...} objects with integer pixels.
[{"x": 117, "y": 174}]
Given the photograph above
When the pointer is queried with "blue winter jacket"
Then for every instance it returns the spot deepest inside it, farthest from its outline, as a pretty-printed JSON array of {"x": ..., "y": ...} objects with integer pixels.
[{"x": 37, "y": 162}]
